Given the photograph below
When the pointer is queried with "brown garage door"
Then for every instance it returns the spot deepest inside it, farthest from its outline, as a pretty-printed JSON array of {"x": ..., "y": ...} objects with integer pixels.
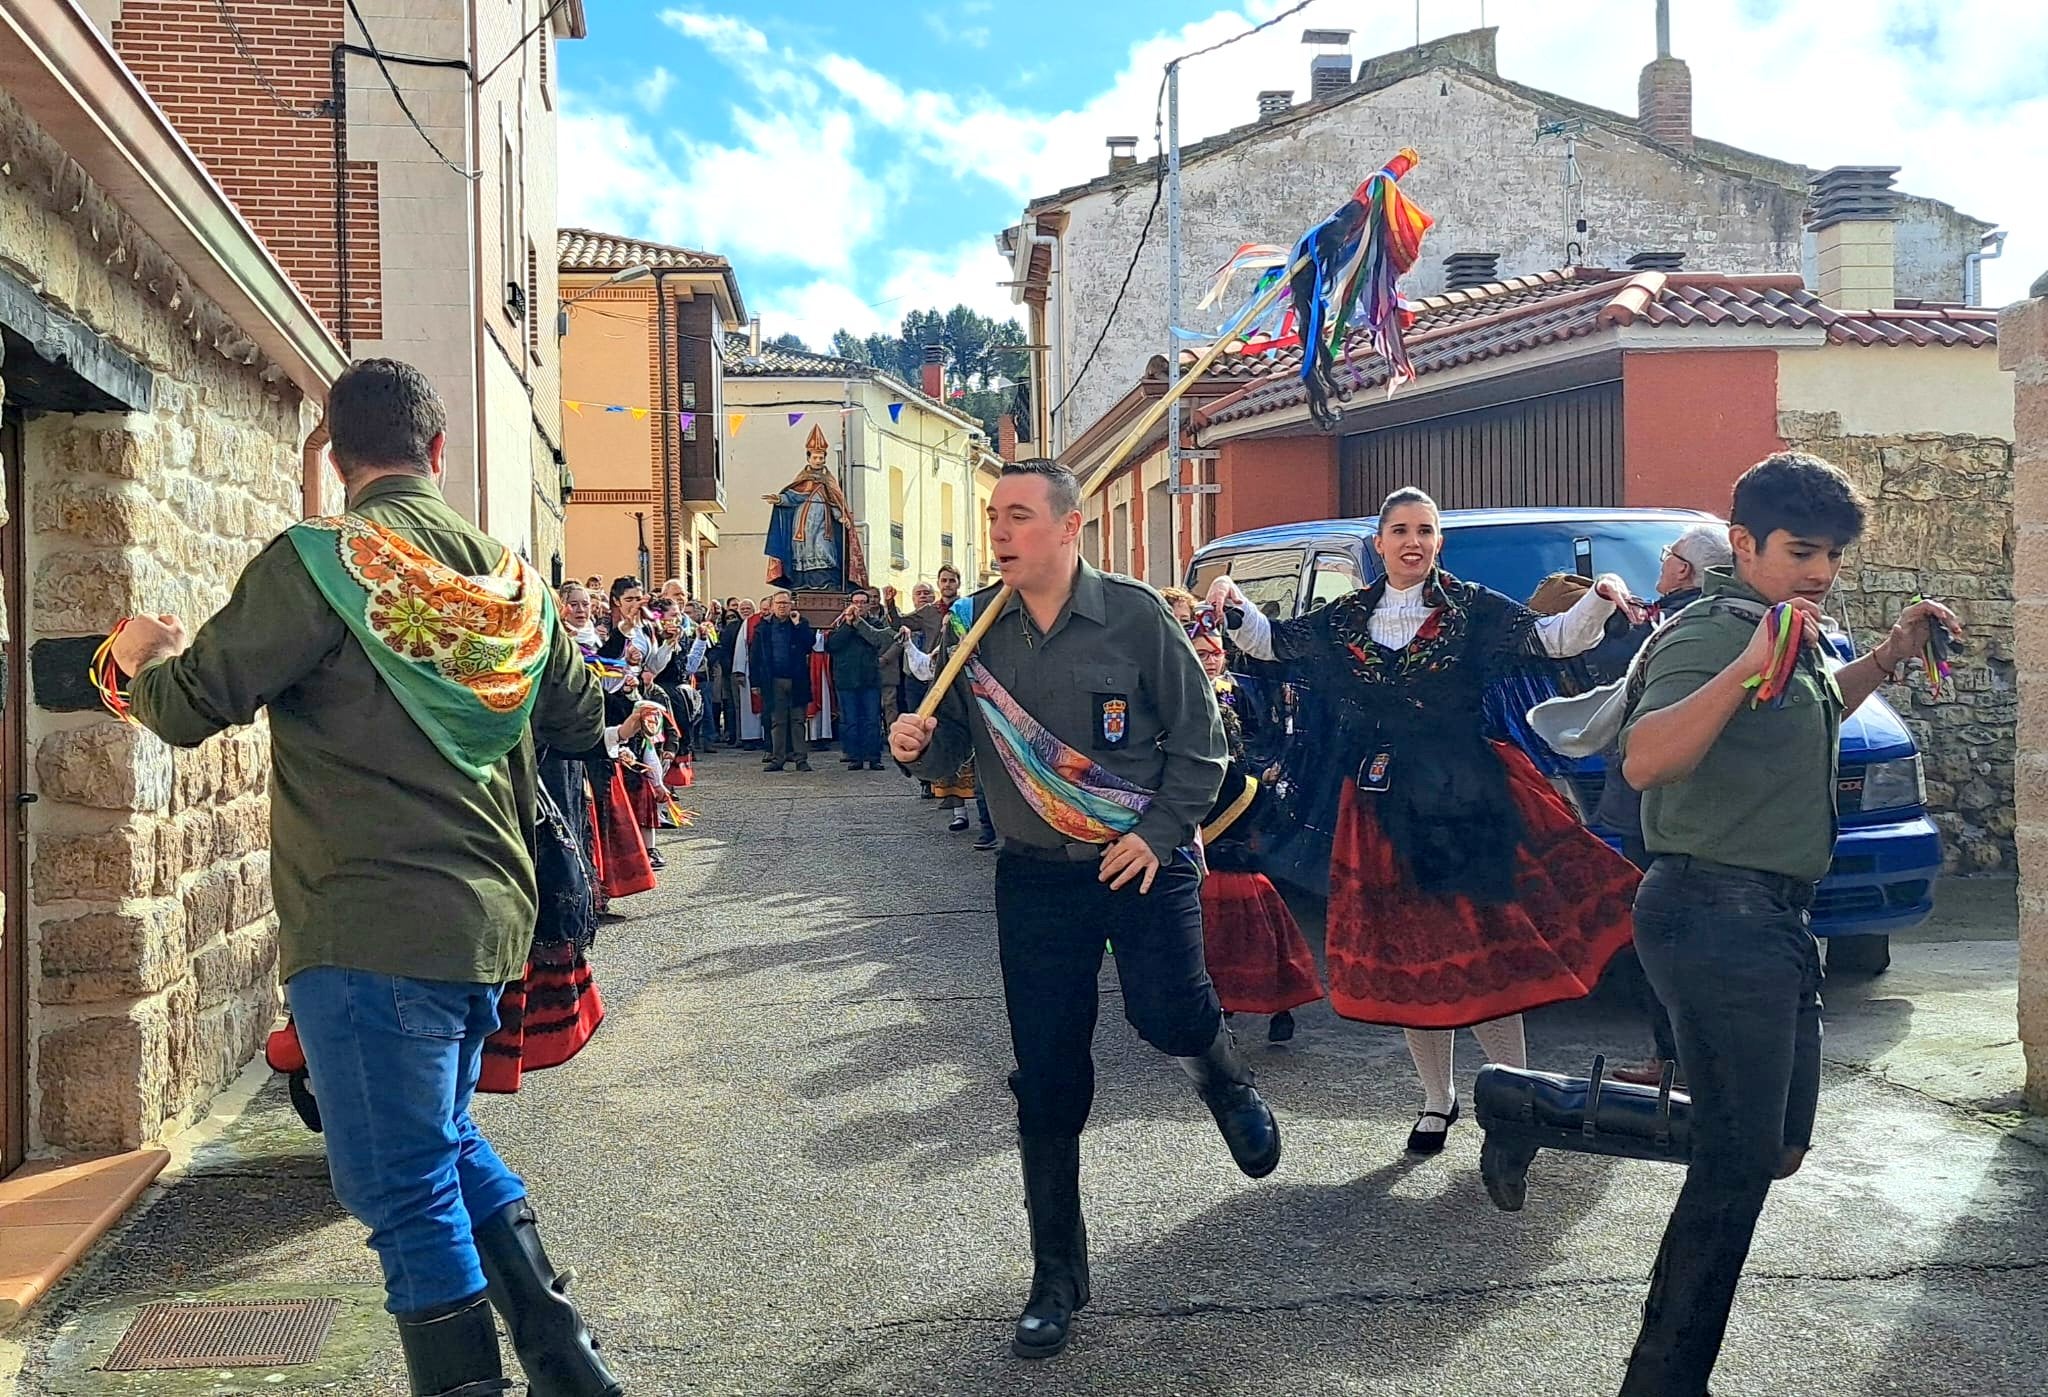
[{"x": 1559, "y": 449}]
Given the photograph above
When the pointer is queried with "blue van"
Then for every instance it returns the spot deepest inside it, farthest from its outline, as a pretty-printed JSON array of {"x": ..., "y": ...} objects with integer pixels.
[{"x": 1888, "y": 853}]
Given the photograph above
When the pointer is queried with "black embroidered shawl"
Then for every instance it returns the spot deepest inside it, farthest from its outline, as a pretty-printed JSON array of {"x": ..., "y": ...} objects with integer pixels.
[{"x": 1447, "y": 811}]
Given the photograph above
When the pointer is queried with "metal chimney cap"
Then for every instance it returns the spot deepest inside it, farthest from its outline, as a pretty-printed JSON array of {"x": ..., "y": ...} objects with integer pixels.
[
  {"x": 1658, "y": 261},
  {"x": 1327, "y": 36},
  {"x": 1125, "y": 142}
]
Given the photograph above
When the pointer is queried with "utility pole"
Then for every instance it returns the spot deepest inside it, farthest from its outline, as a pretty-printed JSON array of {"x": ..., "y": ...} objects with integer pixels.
[{"x": 1174, "y": 484}]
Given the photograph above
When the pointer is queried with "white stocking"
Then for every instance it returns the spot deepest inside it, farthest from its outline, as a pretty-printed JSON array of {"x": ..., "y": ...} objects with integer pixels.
[
  {"x": 1432, "y": 1050},
  {"x": 1503, "y": 1041}
]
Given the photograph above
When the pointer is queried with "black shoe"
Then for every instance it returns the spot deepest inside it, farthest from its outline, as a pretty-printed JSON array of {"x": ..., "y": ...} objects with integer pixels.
[
  {"x": 1422, "y": 1141},
  {"x": 803, "y": 766},
  {"x": 926, "y": 793},
  {"x": 452, "y": 1350},
  {"x": 1059, "y": 1244},
  {"x": 655, "y": 861},
  {"x": 874, "y": 766},
  {"x": 1225, "y": 1086},
  {"x": 850, "y": 762},
  {"x": 959, "y": 821},
  {"x": 553, "y": 1344},
  {"x": 986, "y": 842},
  {"x": 776, "y": 766},
  {"x": 1504, "y": 1167},
  {"x": 1281, "y": 1029}
]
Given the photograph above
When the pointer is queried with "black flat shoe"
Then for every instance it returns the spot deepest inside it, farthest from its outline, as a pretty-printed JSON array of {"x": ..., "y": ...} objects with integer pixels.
[
  {"x": 1422, "y": 1141},
  {"x": 1281, "y": 1029}
]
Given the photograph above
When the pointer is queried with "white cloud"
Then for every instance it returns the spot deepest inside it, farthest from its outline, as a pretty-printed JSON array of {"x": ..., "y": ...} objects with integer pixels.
[{"x": 652, "y": 90}]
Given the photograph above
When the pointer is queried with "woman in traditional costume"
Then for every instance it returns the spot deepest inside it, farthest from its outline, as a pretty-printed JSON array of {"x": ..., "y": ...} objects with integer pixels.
[
  {"x": 1257, "y": 956},
  {"x": 1463, "y": 891},
  {"x": 621, "y": 852}
]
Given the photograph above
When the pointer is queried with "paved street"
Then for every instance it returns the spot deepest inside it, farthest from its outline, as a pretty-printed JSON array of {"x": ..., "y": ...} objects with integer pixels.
[{"x": 786, "y": 1166}]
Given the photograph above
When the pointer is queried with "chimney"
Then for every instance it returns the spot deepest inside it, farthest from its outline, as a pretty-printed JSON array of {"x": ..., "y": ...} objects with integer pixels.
[
  {"x": 1657, "y": 262},
  {"x": 1853, "y": 216},
  {"x": 1274, "y": 102},
  {"x": 1006, "y": 436},
  {"x": 1123, "y": 152},
  {"x": 1329, "y": 71},
  {"x": 1465, "y": 270},
  {"x": 1664, "y": 91},
  {"x": 935, "y": 371},
  {"x": 754, "y": 338}
]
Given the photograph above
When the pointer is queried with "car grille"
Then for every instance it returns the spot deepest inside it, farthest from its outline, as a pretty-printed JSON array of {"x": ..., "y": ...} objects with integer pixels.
[{"x": 1832, "y": 903}]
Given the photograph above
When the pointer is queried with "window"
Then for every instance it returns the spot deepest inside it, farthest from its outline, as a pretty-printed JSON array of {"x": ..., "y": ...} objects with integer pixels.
[
  {"x": 509, "y": 241},
  {"x": 897, "y": 558},
  {"x": 946, "y": 548},
  {"x": 532, "y": 303},
  {"x": 896, "y": 554},
  {"x": 1091, "y": 542},
  {"x": 1120, "y": 539},
  {"x": 946, "y": 522},
  {"x": 689, "y": 394},
  {"x": 1336, "y": 575},
  {"x": 1271, "y": 578}
]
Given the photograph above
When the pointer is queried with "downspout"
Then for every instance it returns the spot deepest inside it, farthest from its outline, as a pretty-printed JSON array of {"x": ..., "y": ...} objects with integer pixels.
[
  {"x": 668, "y": 518},
  {"x": 1054, "y": 359},
  {"x": 340, "y": 110},
  {"x": 480, "y": 364},
  {"x": 1973, "y": 267}
]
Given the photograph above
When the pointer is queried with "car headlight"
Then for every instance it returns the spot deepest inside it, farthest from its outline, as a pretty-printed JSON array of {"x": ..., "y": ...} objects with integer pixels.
[{"x": 1894, "y": 785}]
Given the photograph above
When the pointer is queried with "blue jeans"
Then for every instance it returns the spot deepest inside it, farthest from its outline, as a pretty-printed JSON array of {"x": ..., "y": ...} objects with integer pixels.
[
  {"x": 860, "y": 724},
  {"x": 394, "y": 1063}
]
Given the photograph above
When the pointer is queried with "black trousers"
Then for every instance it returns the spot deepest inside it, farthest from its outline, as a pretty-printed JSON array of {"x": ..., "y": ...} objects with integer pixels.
[
  {"x": 1052, "y": 918},
  {"x": 1729, "y": 953},
  {"x": 789, "y": 723}
]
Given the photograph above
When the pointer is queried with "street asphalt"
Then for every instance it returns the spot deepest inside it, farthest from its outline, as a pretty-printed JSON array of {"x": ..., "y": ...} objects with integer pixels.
[{"x": 786, "y": 1165}]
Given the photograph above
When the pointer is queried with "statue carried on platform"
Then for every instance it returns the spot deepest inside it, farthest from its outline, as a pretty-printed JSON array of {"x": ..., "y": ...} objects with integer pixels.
[{"x": 812, "y": 543}]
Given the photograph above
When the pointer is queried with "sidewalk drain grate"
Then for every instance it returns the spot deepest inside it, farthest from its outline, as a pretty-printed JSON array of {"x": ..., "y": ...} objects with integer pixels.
[{"x": 224, "y": 1334}]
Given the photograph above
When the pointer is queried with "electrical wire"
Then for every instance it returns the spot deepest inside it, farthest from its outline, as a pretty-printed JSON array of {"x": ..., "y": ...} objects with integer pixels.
[
  {"x": 1159, "y": 188},
  {"x": 524, "y": 39},
  {"x": 263, "y": 79},
  {"x": 370, "y": 42}
]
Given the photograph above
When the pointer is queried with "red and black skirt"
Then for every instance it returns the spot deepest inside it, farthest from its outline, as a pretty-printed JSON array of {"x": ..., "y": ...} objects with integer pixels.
[
  {"x": 1257, "y": 956},
  {"x": 621, "y": 854},
  {"x": 544, "y": 1019},
  {"x": 1401, "y": 956}
]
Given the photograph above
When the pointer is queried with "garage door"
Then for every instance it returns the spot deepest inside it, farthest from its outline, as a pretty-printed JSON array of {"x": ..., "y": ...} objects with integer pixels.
[{"x": 1559, "y": 449}]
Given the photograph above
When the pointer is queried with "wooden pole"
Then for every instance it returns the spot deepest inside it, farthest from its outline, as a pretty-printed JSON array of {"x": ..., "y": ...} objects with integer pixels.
[
  {"x": 962, "y": 652},
  {"x": 957, "y": 661},
  {"x": 1137, "y": 434}
]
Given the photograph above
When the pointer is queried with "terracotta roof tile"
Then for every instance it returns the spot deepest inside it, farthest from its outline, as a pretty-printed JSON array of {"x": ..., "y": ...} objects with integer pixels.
[
  {"x": 581, "y": 250},
  {"x": 1527, "y": 312}
]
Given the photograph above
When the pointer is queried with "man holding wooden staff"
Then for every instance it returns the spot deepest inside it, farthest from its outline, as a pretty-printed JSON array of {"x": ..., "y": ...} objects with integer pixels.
[{"x": 1100, "y": 748}]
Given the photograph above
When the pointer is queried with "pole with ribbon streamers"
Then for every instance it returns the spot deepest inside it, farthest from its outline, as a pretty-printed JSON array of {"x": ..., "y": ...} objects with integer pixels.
[{"x": 1346, "y": 268}]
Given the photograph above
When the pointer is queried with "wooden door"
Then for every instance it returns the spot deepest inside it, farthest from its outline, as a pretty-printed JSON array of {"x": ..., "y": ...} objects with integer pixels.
[{"x": 13, "y": 818}]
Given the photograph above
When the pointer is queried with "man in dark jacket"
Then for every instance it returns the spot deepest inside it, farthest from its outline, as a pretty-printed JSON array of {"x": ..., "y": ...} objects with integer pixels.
[
  {"x": 780, "y": 672},
  {"x": 855, "y": 645}
]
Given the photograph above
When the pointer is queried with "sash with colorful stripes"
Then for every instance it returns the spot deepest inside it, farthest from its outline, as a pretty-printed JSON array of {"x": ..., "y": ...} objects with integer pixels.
[{"x": 1074, "y": 795}]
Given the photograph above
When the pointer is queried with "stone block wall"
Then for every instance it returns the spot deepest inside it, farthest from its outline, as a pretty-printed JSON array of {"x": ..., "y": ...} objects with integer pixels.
[
  {"x": 1940, "y": 524},
  {"x": 2023, "y": 348},
  {"x": 150, "y": 933}
]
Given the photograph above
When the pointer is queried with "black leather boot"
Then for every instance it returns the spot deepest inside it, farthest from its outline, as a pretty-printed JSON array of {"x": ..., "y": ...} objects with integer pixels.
[
  {"x": 1504, "y": 1168},
  {"x": 1059, "y": 1244},
  {"x": 452, "y": 1350},
  {"x": 553, "y": 1344},
  {"x": 1225, "y": 1086}
]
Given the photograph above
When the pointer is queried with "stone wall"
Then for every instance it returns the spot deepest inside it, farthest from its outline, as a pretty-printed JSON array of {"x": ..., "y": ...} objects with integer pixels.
[
  {"x": 1940, "y": 524},
  {"x": 2023, "y": 348},
  {"x": 151, "y": 937}
]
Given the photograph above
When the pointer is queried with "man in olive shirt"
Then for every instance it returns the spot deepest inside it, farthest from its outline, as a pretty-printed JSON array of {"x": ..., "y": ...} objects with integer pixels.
[
  {"x": 1097, "y": 666},
  {"x": 405, "y": 894},
  {"x": 1739, "y": 816}
]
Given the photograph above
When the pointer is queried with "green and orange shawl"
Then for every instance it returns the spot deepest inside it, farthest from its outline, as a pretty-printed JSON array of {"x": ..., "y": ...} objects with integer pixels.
[{"x": 462, "y": 655}]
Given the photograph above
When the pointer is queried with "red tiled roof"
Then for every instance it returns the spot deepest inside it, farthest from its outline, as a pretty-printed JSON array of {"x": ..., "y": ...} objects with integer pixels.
[
  {"x": 1523, "y": 313},
  {"x": 581, "y": 250}
]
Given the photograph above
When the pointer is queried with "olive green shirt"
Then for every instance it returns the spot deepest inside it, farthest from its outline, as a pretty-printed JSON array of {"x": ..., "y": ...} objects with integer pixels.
[
  {"x": 1114, "y": 678},
  {"x": 1763, "y": 797},
  {"x": 384, "y": 857}
]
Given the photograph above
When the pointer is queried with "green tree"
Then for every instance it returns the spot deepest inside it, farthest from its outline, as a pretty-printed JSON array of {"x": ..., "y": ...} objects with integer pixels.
[
  {"x": 787, "y": 340},
  {"x": 979, "y": 350}
]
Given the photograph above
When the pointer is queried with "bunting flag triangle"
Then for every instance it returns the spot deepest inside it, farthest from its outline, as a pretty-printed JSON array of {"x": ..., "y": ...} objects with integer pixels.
[
  {"x": 639, "y": 414},
  {"x": 895, "y": 412},
  {"x": 686, "y": 420},
  {"x": 795, "y": 417},
  {"x": 613, "y": 407},
  {"x": 733, "y": 423},
  {"x": 573, "y": 406}
]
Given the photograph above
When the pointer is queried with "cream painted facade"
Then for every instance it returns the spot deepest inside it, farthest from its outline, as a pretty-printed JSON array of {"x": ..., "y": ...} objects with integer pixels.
[
  {"x": 919, "y": 474},
  {"x": 1909, "y": 388}
]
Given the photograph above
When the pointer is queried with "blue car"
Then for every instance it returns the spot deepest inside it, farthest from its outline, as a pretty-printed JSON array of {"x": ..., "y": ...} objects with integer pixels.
[{"x": 1888, "y": 852}]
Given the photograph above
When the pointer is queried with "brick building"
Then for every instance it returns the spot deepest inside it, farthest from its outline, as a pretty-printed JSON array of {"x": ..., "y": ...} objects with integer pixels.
[
  {"x": 1490, "y": 176},
  {"x": 346, "y": 148},
  {"x": 160, "y": 374},
  {"x": 644, "y": 325}
]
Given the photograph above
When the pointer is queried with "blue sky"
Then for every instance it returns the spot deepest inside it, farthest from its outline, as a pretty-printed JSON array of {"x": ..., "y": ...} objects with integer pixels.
[{"x": 855, "y": 158}]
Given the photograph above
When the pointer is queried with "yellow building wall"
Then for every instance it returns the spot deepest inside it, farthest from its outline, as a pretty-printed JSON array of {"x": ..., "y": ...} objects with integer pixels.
[
  {"x": 1900, "y": 389},
  {"x": 606, "y": 358}
]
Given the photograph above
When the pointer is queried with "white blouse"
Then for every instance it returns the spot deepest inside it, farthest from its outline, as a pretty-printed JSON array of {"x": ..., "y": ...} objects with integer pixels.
[{"x": 1402, "y": 613}]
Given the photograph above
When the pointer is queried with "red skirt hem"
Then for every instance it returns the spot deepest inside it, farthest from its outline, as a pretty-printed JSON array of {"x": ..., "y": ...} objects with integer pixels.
[
  {"x": 1258, "y": 958},
  {"x": 1410, "y": 959}
]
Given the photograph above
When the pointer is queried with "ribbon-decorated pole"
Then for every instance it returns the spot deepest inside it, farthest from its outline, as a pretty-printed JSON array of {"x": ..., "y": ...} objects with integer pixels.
[{"x": 1357, "y": 255}]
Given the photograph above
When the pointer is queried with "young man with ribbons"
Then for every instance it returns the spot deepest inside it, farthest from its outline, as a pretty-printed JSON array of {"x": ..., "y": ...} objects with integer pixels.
[
  {"x": 1738, "y": 782},
  {"x": 1099, "y": 745},
  {"x": 408, "y": 663}
]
